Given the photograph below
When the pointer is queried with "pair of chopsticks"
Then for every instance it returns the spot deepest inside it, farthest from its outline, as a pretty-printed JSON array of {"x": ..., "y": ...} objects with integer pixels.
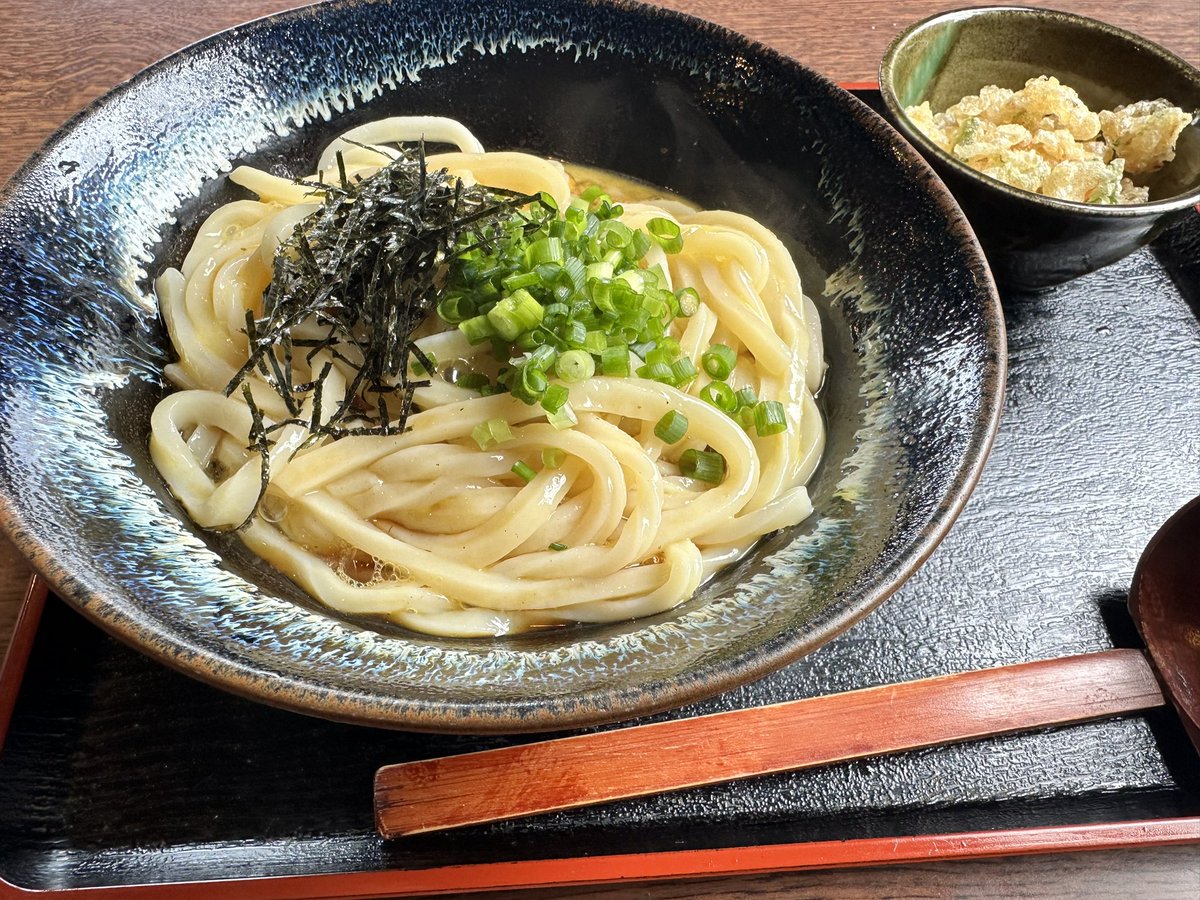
[{"x": 547, "y": 776}]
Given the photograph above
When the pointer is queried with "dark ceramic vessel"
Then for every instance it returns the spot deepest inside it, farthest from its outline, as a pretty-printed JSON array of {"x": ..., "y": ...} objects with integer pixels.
[
  {"x": 914, "y": 341},
  {"x": 1033, "y": 241}
]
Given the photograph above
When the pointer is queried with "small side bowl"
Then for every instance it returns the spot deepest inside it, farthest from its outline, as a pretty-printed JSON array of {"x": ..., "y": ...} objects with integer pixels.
[{"x": 1033, "y": 241}]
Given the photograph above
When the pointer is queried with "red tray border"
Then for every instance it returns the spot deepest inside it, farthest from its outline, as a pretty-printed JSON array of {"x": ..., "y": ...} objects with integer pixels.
[{"x": 579, "y": 871}]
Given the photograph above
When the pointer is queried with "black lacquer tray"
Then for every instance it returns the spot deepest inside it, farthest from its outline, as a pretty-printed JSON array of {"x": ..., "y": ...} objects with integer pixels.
[{"x": 116, "y": 773}]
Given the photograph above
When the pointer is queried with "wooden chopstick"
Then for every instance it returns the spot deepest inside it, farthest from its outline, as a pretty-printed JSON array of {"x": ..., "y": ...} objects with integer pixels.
[{"x": 492, "y": 785}]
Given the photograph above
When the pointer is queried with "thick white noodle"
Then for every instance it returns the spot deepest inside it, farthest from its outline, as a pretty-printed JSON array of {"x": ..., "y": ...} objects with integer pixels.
[{"x": 429, "y": 530}]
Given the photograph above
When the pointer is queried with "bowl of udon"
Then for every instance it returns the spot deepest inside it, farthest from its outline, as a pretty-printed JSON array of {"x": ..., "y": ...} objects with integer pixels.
[{"x": 485, "y": 367}]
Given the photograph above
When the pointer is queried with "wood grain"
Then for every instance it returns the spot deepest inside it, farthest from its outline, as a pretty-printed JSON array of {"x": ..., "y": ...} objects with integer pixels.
[
  {"x": 493, "y": 785},
  {"x": 1164, "y": 873},
  {"x": 57, "y": 57}
]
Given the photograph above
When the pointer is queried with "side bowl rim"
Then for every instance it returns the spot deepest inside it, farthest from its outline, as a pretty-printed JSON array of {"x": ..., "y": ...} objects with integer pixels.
[{"x": 1033, "y": 200}]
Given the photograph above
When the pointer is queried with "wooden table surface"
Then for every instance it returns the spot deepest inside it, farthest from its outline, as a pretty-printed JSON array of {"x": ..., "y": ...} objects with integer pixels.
[{"x": 57, "y": 56}]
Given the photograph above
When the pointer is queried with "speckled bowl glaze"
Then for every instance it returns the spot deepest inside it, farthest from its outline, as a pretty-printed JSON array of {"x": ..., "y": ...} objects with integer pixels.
[
  {"x": 1032, "y": 241},
  {"x": 912, "y": 323}
]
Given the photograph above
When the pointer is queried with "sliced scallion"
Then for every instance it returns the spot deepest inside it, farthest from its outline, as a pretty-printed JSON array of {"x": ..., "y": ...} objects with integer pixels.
[
  {"x": 769, "y": 418},
  {"x": 702, "y": 465},
  {"x": 554, "y": 398},
  {"x": 689, "y": 301},
  {"x": 683, "y": 371},
  {"x": 746, "y": 397},
  {"x": 614, "y": 361},
  {"x": 666, "y": 233},
  {"x": 657, "y": 372},
  {"x": 720, "y": 395},
  {"x": 564, "y": 418},
  {"x": 671, "y": 427},
  {"x": 473, "y": 381},
  {"x": 575, "y": 365},
  {"x": 520, "y": 280},
  {"x": 718, "y": 361},
  {"x": 477, "y": 329},
  {"x": 490, "y": 433}
]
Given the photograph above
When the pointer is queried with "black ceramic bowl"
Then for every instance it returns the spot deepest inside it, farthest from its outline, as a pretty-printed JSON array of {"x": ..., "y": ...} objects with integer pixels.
[
  {"x": 912, "y": 324},
  {"x": 1033, "y": 241}
]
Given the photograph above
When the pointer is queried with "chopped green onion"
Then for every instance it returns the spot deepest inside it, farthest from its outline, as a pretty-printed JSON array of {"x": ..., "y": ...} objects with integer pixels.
[
  {"x": 557, "y": 547},
  {"x": 455, "y": 308},
  {"x": 564, "y": 294},
  {"x": 554, "y": 398},
  {"x": 546, "y": 250},
  {"x": 490, "y": 433},
  {"x": 683, "y": 370},
  {"x": 524, "y": 471},
  {"x": 595, "y": 342},
  {"x": 574, "y": 333},
  {"x": 638, "y": 246},
  {"x": 633, "y": 278},
  {"x": 689, "y": 301},
  {"x": 473, "y": 381},
  {"x": 520, "y": 280},
  {"x": 600, "y": 270},
  {"x": 615, "y": 234},
  {"x": 746, "y": 397},
  {"x": 672, "y": 427},
  {"x": 503, "y": 322},
  {"x": 718, "y": 361},
  {"x": 576, "y": 271},
  {"x": 533, "y": 383},
  {"x": 543, "y": 357},
  {"x": 666, "y": 233},
  {"x": 575, "y": 365},
  {"x": 655, "y": 307},
  {"x": 615, "y": 361},
  {"x": 660, "y": 355},
  {"x": 642, "y": 349},
  {"x": 418, "y": 367},
  {"x": 477, "y": 329},
  {"x": 720, "y": 395},
  {"x": 670, "y": 345},
  {"x": 769, "y": 418},
  {"x": 564, "y": 418},
  {"x": 657, "y": 372},
  {"x": 526, "y": 309},
  {"x": 602, "y": 296},
  {"x": 703, "y": 465},
  {"x": 553, "y": 457},
  {"x": 529, "y": 340},
  {"x": 515, "y": 314}
]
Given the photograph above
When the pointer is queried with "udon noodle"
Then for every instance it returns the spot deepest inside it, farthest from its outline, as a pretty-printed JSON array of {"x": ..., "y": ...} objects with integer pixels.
[{"x": 425, "y": 527}]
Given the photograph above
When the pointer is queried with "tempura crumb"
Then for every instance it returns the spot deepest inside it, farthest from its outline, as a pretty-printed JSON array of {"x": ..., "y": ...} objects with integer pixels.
[
  {"x": 1044, "y": 139},
  {"x": 1144, "y": 134}
]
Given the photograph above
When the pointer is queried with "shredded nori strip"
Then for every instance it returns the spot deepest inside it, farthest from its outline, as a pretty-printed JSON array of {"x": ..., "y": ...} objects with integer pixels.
[{"x": 364, "y": 267}]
